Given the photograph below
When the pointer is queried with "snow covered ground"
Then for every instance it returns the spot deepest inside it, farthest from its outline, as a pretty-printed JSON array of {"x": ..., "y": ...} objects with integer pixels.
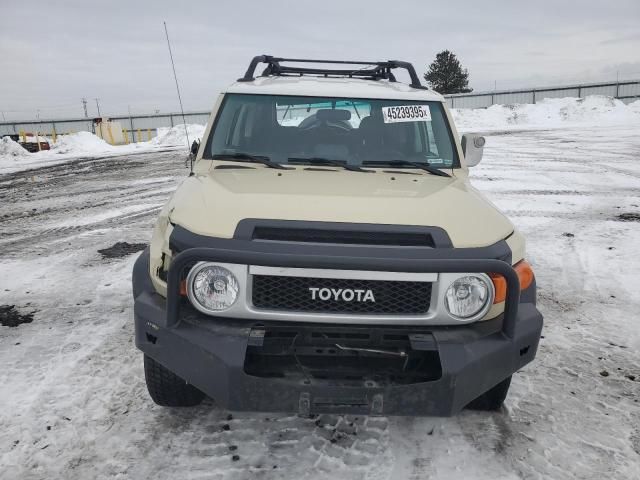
[{"x": 73, "y": 403}]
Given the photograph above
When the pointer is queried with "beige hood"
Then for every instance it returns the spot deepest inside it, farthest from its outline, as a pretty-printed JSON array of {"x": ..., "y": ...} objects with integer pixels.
[{"x": 213, "y": 203}]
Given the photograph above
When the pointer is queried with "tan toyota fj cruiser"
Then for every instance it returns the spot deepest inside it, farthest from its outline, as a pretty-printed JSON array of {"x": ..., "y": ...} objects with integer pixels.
[{"x": 328, "y": 254}]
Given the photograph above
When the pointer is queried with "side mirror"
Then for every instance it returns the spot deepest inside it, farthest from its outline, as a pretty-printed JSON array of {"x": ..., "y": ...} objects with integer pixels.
[
  {"x": 194, "y": 147},
  {"x": 472, "y": 146}
]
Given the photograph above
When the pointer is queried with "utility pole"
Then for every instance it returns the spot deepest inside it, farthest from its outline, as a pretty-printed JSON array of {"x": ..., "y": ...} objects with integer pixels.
[
  {"x": 84, "y": 106},
  {"x": 100, "y": 117},
  {"x": 131, "y": 123},
  {"x": 3, "y": 117}
]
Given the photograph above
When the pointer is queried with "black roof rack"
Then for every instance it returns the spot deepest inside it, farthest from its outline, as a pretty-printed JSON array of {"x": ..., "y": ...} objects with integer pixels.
[{"x": 376, "y": 70}]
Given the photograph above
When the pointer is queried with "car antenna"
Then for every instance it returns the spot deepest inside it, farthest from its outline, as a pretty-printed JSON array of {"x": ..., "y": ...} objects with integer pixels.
[{"x": 184, "y": 122}]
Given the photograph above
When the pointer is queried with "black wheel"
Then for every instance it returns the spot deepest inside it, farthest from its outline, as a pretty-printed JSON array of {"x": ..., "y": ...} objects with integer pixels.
[
  {"x": 492, "y": 399},
  {"x": 167, "y": 389}
]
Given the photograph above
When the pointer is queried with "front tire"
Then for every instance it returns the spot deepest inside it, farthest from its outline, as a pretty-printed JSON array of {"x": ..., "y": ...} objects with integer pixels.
[
  {"x": 492, "y": 399},
  {"x": 167, "y": 389}
]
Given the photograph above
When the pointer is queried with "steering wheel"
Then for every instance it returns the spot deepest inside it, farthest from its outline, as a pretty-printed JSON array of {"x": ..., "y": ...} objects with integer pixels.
[{"x": 341, "y": 129}]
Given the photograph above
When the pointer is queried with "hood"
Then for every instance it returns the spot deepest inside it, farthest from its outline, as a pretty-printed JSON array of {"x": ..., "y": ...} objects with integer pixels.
[{"x": 212, "y": 204}]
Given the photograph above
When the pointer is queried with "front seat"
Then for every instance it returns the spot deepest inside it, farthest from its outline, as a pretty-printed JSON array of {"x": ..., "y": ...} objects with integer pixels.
[{"x": 371, "y": 136}]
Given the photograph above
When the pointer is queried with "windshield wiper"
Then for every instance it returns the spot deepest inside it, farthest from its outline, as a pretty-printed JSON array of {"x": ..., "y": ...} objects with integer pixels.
[
  {"x": 406, "y": 163},
  {"x": 328, "y": 162},
  {"x": 246, "y": 157}
]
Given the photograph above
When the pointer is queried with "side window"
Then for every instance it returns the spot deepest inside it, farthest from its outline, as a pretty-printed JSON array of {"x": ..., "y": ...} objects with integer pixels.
[
  {"x": 419, "y": 139},
  {"x": 443, "y": 143},
  {"x": 235, "y": 125},
  {"x": 431, "y": 143},
  {"x": 227, "y": 123},
  {"x": 424, "y": 142},
  {"x": 243, "y": 126},
  {"x": 237, "y": 129}
]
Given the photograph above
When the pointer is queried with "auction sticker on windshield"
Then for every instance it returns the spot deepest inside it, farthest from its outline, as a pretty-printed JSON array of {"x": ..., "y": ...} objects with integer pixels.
[{"x": 406, "y": 113}]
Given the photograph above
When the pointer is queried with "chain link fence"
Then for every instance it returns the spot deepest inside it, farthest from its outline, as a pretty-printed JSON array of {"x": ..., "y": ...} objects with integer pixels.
[{"x": 627, "y": 92}]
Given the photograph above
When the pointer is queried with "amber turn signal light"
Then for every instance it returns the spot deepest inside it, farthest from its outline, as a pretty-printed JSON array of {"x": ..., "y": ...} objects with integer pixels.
[{"x": 525, "y": 275}]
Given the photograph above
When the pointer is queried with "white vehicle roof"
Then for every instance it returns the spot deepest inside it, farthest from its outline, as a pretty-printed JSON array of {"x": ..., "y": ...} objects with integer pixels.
[{"x": 310, "y": 86}]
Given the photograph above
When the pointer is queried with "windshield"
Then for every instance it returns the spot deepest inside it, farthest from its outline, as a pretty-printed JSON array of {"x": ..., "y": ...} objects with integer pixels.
[{"x": 288, "y": 129}]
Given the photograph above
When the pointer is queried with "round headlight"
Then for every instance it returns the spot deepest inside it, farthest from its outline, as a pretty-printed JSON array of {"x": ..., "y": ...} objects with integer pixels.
[
  {"x": 212, "y": 288},
  {"x": 469, "y": 296}
]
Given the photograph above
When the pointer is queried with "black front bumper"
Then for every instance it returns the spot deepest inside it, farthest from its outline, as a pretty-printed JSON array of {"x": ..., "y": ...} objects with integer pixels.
[{"x": 210, "y": 353}]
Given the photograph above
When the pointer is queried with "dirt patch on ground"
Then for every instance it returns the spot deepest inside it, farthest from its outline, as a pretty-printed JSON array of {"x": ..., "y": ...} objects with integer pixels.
[
  {"x": 628, "y": 217},
  {"x": 10, "y": 317},
  {"x": 121, "y": 249}
]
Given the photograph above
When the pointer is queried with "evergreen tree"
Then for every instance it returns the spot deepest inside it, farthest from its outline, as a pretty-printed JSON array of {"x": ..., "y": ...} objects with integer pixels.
[{"x": 446, "y": 74}]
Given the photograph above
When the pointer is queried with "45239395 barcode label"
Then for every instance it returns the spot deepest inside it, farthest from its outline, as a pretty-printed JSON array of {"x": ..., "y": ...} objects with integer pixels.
[{"x": 406, "y": 113}]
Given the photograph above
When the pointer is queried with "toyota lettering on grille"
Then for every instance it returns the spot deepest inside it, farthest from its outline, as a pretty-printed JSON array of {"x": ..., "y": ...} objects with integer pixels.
[{"x": 344, "y": 294}]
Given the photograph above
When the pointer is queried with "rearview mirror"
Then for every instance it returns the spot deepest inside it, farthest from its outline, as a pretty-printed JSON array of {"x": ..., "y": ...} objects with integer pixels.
[
  {"x": 328, "y": 115},
  {"x": 195, "y": 146},
  {"x": 472, "y": 146}
]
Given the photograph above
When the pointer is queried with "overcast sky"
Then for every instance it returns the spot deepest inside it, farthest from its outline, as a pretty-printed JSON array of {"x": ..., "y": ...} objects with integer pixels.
[{"x": 55, "y": 53}]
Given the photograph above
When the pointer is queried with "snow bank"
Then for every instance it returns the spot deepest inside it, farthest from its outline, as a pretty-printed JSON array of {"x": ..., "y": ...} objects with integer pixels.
[
  {"x": 549, "y": 113},
  {"x": 11, "y": 149},
  {"x": 175, "y": 136},
  {"x": 81, "y": 143},
  {"x": 14, "y": 158},
  {"x": 65, "y": 148}
]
